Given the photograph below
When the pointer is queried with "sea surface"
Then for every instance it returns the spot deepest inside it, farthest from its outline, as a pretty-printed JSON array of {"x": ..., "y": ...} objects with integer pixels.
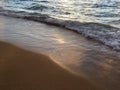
[{"x": 96, "y": 19}]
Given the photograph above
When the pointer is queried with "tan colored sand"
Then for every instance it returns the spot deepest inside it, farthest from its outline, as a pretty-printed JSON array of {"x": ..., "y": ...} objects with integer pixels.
[{"x": 25, "y": 70}]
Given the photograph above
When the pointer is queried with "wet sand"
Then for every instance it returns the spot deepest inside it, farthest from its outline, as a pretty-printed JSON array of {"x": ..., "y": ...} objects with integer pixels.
[
  {"x": 89, "y": 59},
  {"x": 24, "y": 70}
]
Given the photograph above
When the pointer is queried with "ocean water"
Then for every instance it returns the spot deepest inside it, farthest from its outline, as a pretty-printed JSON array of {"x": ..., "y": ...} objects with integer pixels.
[{"x": 96, "y": 19}]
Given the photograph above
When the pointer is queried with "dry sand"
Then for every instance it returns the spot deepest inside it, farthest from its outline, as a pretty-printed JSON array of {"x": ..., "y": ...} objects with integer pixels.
[{"x": 25, "y": 70}]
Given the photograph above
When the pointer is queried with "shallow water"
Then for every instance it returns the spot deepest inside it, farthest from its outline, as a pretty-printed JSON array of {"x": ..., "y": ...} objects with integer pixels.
[
  {"x": 93, "y": 60},
  {"x": 90, "y": 18}
]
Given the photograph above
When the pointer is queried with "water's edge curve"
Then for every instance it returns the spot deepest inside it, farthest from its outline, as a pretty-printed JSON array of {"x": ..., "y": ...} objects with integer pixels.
[{"x": 106, "y": 34}]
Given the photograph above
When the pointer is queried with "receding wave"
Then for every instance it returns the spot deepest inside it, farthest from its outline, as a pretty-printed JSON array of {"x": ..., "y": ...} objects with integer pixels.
[{"x": 106, "y": 34}]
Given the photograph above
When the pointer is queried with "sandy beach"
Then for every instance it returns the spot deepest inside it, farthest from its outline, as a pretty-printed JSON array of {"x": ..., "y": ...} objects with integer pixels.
[
  {"x": 24, "y": 70},
  {"x": 75, "y": 63}
]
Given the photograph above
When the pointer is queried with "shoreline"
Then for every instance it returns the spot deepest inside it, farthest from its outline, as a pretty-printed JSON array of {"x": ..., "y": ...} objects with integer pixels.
[
  {"x": 24, "y": 70},
  {"x": 102, "y": 33},
  {"x": 89, "y": 59}
]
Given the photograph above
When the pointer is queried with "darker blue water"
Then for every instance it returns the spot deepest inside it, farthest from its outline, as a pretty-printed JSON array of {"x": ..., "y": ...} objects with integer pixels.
[{"x": 102, "y": 11}]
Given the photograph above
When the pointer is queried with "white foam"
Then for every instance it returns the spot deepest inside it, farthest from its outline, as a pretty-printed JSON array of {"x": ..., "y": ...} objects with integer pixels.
[{"x": 104, "y": 33}]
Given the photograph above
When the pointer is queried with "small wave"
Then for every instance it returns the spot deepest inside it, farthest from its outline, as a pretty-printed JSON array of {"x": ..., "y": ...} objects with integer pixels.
[
  {"x": 104, "y": 14},
  {"x": 104, "y": 33},
  {"x": 37, "y": 7},
  {"x": 104, "y": 6},
  {"x": 44, "y": 1},
  {"x": 115, "y": 21},
  {"x": 107, "y": 4}
]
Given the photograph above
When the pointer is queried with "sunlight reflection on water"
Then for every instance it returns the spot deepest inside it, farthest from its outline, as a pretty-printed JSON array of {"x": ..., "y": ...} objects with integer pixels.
[
  {"x": 102, "y": 11},
  {"x": 89, "y": 58}
]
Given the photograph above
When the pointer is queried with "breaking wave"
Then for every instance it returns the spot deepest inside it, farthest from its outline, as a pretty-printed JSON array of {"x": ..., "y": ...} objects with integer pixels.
[{"x": 106, "y": 34}]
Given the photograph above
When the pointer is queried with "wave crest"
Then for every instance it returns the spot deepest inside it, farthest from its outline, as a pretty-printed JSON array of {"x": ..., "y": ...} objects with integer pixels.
[{"x": 106, "y": 34}]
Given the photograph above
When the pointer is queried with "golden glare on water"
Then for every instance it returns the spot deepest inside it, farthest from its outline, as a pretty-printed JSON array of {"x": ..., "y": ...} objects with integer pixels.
[{"x": 59, "y": 39}]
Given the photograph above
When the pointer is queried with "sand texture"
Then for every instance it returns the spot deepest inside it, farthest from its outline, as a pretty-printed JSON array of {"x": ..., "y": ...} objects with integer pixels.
[{"x": 25, "y": 70}]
